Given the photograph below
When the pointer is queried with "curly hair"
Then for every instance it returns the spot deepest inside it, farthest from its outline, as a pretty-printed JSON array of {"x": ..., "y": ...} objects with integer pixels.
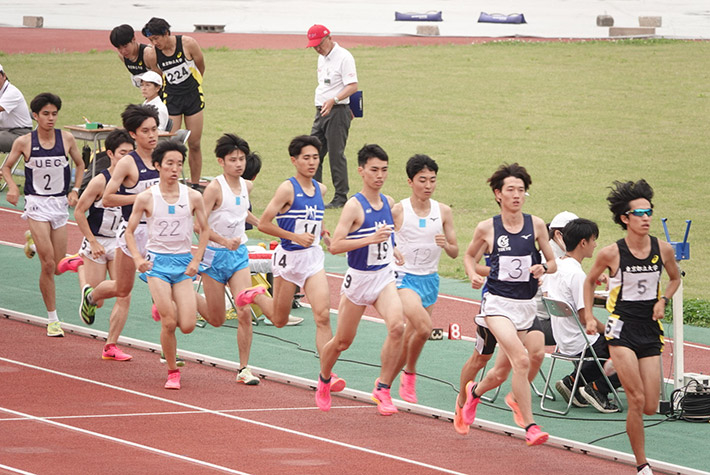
[{"x": 622, "y": 193}]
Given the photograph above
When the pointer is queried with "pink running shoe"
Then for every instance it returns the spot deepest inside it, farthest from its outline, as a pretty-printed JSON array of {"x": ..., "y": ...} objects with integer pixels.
[
  {"x": 154, "y": 313},
  {"x": 468, "y": 412},
  {"x": 517, "y": 415},
  {"x": 407, "y": 387},
  {"x": 246, "y": 296},
  {"x": 113, "y": 352},
  {"x": 336, "y": 384},
  {"x": 460, "y": 426},
  {"x": 173, "y": 381},
  {"x": 70, "y": 263},
  {"x": 323, "y": 395},
  {"x": 384, "y": 400},
  {"x": 535, "y": 436}
]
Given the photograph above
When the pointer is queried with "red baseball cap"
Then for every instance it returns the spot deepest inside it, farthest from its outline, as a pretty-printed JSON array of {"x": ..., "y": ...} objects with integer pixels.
[{"x": 316, "y": 33}]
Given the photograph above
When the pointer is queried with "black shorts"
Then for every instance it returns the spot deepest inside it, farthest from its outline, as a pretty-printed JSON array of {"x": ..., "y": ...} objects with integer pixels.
[
  {"x": 185, "y": 104},
  {"x": 489, "y": 341},
  {"x": 643, "y": 337}
]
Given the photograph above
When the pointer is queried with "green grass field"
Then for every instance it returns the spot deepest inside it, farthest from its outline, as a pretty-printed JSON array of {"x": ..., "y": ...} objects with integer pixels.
[{"x": 577, "y": 115}]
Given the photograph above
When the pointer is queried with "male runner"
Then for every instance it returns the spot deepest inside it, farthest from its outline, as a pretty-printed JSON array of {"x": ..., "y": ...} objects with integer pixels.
[
  {"x": 226, "y": 260},
  {"x": 179, "y": 59},
  {"x": 636, "y": 304},
  {"x": 423, "y": 227},
  {"x": 133, "y": 174},
  {"x": 46, "y": 153},
  {"x": 508, "y": 308},
  {"x": 365, "y": 232},
  {"x": 170, "y": 267},
  {"x": 298, "y": 260},
  {"x": 132, "y": 54},
  {"x": 100, "y": 229}
]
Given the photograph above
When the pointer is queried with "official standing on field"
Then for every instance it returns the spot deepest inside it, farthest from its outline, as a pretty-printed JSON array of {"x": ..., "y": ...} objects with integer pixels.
[{"x": 337, "y": 81}]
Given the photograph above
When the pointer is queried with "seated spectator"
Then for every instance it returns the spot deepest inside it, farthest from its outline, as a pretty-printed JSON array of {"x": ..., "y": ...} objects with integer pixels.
[
  {"x": 15, "y": 119},
  {"x": 151, "y": 83},
  {"x": 567, "y": 284}
]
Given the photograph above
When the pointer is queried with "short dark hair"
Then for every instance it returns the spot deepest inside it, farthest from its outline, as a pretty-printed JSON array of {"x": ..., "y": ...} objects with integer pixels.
[
  {"x": 371, "y": 151},
  {"x": 228, "y": 143},
  {"x": 122, "y": 35},
  {"x": 252, "y": 167},
  {"x": 156, "y": 26},
  {"x": 622, "y": 193},
  {"x": 135, "y": 115},
  {"x": 577, "y": 230},
  {"x": 117, "y": 138},
  {"x": 298, "y": 143},
  {"x": 504, "y": 171},
  {"x": 165, "y": 146},
  {"x": 43, "y": 99},
  {"x": 418, "y": 163}
]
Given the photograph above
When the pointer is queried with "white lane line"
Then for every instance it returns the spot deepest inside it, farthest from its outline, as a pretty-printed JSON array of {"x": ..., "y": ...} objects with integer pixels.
[
  {"x": 15, "y": 470},
  {"x": 182, "y": 413},
  {"x": 121, "y": 441},
  {"x": 217, "y": 413}
]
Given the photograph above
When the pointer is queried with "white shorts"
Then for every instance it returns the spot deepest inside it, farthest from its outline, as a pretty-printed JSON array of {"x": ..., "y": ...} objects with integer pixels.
[
  {"x": 109, "y": 245},
  {"x": 141, "y": 235},
  {"x": 297, "y": 266},
  {"x": 51, "y": 209},
  {"x": 363, "y": 287},
  {"x": 520, "y": 312}
]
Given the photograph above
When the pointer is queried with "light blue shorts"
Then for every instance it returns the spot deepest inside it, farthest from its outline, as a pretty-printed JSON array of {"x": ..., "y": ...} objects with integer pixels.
[
  {"x": 426, "y": 286},
  {"x": 168, "y": 267},
  {"x": 221, "y": 263}
]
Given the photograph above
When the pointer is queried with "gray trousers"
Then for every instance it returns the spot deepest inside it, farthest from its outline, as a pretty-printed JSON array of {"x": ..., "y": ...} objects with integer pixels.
[
  {"x": 8, "y": 136},
  {"x": 332, "y": 130}
]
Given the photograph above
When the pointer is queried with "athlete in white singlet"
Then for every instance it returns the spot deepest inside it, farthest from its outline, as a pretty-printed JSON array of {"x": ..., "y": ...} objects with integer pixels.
[
  {"x": 423, "y": 228},
  {"x": 170, "y": 267}
]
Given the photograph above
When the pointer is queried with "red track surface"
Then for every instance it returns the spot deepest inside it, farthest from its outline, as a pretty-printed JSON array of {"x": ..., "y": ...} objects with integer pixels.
[
  {"x": 271, "y": 428},
  {"x": 45, "y": 40}
]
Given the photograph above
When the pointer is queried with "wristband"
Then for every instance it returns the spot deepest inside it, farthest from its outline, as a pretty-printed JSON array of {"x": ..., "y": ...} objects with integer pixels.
[
  {"x": 335, "y": 100},
  {"x": 544, "y": 266},
  {"x": 75, "y": 189},
  {"x": 665, "y": 299}
]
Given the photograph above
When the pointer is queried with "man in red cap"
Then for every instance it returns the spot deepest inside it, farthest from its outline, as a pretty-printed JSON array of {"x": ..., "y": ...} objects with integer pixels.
[{"x": 337, "y": 81}]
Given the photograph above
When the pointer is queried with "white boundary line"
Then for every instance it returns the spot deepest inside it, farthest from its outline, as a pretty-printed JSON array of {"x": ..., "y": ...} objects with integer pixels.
[
  {"x": 99, "y": 435},
  {"x": 15, "y": 470},
  {"x": 204, "y": 411},
  {"x": 572, "y": 445}
]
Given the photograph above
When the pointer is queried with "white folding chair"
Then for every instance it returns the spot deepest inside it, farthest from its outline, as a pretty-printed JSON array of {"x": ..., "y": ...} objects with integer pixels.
[
  {"x": 492, "y": 398},
  {"x": 14, "y": 170},
  {"x": 560, "y": 309}
]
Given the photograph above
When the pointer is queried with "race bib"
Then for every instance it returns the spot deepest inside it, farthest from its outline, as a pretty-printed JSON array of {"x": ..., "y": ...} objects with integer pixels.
[
  {"x": 48, "y": 175},
  {"x": 177, "y": 74},
  {"x": 613, "y": 328},
  {"x": 111, "y": 221},
  {"x": 380, "y": 253},
  {"x": 514, "y": 268},
  {"x": 310, "y": 226},
  {"x": 171, "y": 228},
  {"x": 207, "y": 258},
  {"x": 640, "y": 286}
]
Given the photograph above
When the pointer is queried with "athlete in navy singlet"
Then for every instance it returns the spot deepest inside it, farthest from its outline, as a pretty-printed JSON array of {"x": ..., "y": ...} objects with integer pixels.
[
  {"x": 47, "y": 195},
  {"x": 508, "y": 308},
  {"x": 365, "y": 231}
]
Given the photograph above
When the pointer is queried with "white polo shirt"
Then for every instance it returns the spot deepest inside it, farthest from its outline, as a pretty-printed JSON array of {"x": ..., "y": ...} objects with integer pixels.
[
  {"x": 567, "y": 284},
  {"x": 335, "y": 71},
  {"x": 163, "y": 115},
  {"x": 16, "y": 114}
]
